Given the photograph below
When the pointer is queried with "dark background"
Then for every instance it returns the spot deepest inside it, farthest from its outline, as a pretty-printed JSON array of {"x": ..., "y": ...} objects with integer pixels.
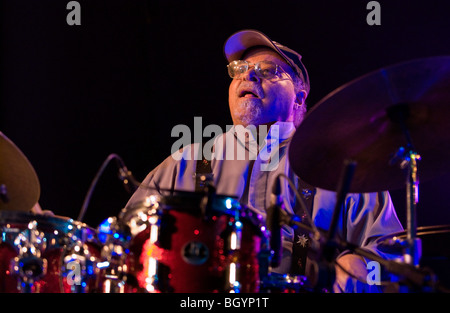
[{"x": 119, "y": 82}]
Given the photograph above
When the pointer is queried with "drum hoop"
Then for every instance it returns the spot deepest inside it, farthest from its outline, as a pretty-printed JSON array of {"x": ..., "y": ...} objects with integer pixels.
[
  {"x": 190, "y": 203},
  {"x": 420, "y": 231},
  {"x": 46, "y": 223}
]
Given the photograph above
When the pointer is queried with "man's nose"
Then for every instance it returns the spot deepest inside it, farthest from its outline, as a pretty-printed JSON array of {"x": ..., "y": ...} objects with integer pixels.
[{"x": 250, "y": 75}]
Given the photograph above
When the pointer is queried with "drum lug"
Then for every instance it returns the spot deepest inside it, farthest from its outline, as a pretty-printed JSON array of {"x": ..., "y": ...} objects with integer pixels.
[
  {"x": 28, "y": 265},
  {"x": 115, "y": 268},
  {"x": 78, "y": 265},
  {"x": 235, "y": 239},
  {"x": 113, "y": 255},
  {"x": 233, "y": 284}
]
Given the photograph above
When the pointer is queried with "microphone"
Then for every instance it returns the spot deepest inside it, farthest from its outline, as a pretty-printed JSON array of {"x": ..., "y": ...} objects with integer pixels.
[
  {"x": 129, "y": 182},
  {"x": 274, "y": 222}
]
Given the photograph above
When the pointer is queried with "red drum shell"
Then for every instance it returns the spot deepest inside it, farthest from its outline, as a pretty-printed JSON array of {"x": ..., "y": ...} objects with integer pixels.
[
  {"x": 192, "y": 251},
  {"x": 58, "y": 232}
]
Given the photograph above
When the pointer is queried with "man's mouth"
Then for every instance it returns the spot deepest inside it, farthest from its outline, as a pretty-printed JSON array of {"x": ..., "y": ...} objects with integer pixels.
[
  {"x": 247, "y": 94},
  {"x": 250, "y": 91}
]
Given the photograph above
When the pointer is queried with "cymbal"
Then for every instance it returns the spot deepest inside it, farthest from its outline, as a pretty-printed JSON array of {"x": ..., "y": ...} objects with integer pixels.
[
  {"x": 356, "y": 122},
  {"x": 18, "y": 179},
  {"x": 394, "y": 243}
]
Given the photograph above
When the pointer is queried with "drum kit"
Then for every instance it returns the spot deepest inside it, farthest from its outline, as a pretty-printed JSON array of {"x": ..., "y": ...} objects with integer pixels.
[{"x": 389, "y": 125}]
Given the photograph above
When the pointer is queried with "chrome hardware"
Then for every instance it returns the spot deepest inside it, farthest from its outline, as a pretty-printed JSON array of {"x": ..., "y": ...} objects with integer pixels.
[
  {"x": 28, "y": 265},
  {"x": 78, "y": 264},
  {"x": 113, "y": 255}
]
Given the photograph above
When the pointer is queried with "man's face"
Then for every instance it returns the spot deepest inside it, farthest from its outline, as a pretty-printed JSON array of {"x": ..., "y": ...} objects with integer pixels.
[{"x": 256, "y": 101}]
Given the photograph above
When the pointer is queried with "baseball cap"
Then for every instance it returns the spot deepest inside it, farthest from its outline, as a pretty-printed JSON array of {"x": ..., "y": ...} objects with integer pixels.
[{"x": 236, "y": 45}]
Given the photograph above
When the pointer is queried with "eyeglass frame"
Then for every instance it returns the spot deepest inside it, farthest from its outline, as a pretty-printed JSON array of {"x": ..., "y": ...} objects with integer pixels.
[{"x": 278, "y": 69}]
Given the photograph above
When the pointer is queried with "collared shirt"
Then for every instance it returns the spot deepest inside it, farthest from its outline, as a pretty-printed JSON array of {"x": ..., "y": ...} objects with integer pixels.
[{"x": 247, "y": 168}]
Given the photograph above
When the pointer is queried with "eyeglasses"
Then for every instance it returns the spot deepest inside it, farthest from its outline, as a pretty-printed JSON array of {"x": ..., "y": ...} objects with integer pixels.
[{"x": 263, "y": 69}]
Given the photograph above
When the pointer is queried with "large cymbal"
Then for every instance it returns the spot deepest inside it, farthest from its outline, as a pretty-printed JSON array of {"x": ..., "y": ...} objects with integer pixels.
[
  {"x": 352, "y": 122},
  {"x": 19, "y": 178}
]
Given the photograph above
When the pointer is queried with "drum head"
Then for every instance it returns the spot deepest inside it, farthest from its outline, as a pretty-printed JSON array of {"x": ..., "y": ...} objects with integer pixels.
[{"x": 61, "y": 226}]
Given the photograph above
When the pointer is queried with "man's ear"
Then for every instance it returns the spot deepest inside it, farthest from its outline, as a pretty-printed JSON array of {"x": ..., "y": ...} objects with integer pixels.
[{"x": 301, "y": 97}]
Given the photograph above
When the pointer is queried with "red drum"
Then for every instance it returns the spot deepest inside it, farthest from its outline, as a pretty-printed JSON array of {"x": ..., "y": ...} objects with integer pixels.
[
  {"x": 194, "y": 243},
  {"x": 42, "y": 254}
]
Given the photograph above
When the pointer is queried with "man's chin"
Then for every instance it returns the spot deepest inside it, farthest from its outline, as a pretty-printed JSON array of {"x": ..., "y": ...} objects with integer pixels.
[
  {"x": 250, "y": 100},
  {"x": 247, "y": 121},
  {"x": 248, "y": 111}
]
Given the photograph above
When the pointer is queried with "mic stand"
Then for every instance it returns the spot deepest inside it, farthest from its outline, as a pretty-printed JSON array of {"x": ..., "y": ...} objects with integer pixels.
[
  {"x": 274, "y": 223},
  {"x": 342, "y": 190},
  {"x": 323, "y": 274}
]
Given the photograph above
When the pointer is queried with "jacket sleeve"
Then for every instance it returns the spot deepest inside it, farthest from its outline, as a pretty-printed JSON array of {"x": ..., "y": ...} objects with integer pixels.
[
  {"x": 370, "y": 216},
  {"x": 366, "y": 217}
]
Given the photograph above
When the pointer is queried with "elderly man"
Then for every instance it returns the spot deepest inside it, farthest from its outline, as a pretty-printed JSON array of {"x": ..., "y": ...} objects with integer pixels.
[{"x": 268, "y": 91}]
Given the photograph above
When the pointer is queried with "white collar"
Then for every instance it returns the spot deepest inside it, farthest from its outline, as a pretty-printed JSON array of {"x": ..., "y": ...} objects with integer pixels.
[
  {"x": 280, "y": 130},
  {"x": 285, "y": 130}
]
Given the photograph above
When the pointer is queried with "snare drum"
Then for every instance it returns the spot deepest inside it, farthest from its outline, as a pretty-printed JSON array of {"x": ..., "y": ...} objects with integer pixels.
[
  {"x": 46, "y": 254},
  {"x": 189, "y": 243}
]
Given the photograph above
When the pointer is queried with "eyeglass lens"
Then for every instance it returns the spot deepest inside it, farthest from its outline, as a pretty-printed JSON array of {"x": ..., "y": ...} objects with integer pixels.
[{"x": 264, "y": 69}]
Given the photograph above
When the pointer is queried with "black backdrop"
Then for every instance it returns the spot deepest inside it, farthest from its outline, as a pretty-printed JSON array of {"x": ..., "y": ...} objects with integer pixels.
[{"x": 120, "y": 81}]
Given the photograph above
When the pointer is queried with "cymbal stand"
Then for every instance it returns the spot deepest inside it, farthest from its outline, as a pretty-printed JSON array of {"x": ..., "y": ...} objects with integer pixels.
[
  {"x": 407, "y": 158},
  {"x": 413, "y": 250}
]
